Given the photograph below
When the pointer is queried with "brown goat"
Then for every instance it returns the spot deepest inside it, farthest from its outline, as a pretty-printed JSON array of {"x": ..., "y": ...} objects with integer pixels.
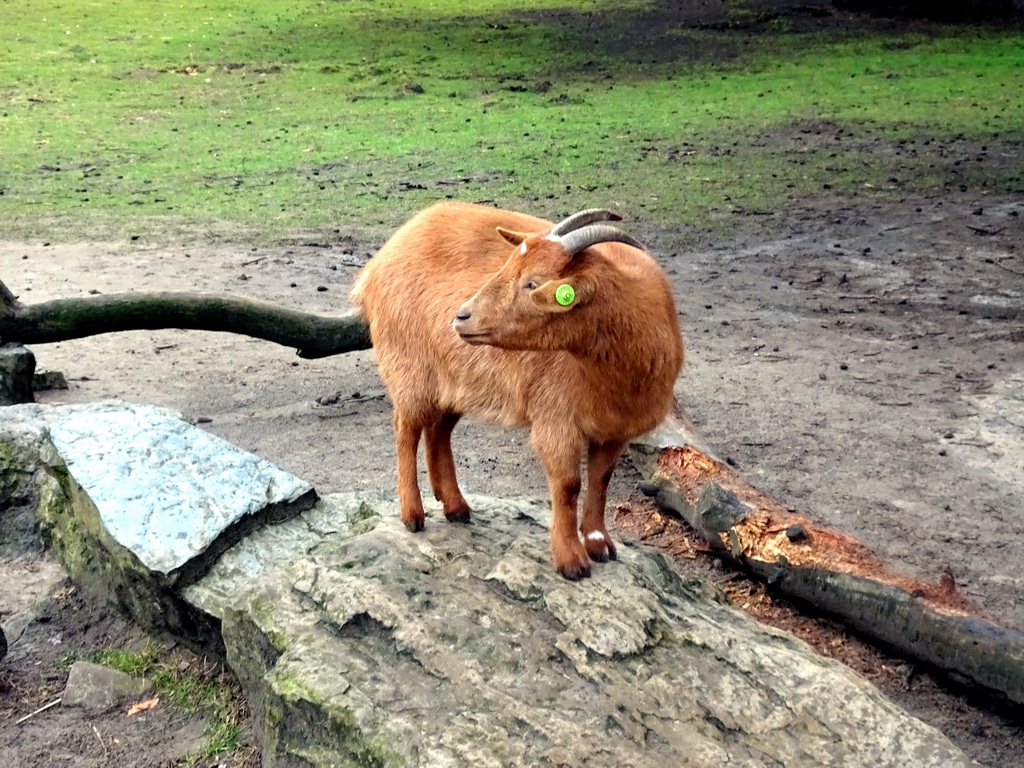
[{"x": 470, "y": 314}]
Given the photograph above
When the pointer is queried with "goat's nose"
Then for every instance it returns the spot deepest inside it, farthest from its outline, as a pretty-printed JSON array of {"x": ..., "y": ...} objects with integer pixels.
[{"x": 463, "y": 314}]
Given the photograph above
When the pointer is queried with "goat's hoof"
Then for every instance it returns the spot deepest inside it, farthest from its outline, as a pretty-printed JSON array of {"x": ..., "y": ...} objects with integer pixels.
[
  {"x": 459, "y": 514},
  {"x": 599, "y": 546},
  {"x": 576, "y": 570},
  {"x": 414, "y": 523}
]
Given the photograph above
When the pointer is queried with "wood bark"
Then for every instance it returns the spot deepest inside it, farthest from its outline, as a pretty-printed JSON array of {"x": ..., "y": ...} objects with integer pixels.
[
  {"x": 833, "y": 572},
  {"x": 310, "y": 334},
  {"x": 803, "y": 560}
]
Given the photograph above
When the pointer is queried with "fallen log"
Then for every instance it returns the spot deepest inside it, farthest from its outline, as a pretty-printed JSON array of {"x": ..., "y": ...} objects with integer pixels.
[
  {"x": 826, "y": 569},
  {"x": 833, "y": 572},
  {"x": 312, "y": 335}
]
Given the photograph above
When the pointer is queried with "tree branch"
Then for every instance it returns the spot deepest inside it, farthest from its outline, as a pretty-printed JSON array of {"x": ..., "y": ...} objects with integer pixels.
[
  {"x": 829, "y": 570},
  {"x": 62, "y": 319}
]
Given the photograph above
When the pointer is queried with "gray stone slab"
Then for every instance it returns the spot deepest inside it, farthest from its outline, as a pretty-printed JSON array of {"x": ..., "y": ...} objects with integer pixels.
[
  {"x": 360, "y": 643},
  {"x": 166, "y": 490},
  {"x": 136, "y": 503},
  {"x": 227, "y": 583},
  {"x": 461, "y": 646}
]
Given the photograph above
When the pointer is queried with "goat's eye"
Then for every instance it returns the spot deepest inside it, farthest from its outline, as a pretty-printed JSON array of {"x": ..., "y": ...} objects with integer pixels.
[{"x": 530, "y": 285}]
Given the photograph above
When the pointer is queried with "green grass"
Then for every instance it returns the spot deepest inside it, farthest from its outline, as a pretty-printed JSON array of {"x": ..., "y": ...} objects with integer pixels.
[
  {"x": 189, "y": 690},
  {"x": 134, "y": 663},
  {"x": 274, "y": 116}
]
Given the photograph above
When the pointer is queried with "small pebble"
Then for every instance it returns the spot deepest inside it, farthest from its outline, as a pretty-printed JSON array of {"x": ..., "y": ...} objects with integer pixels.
[
  {"x": 648, "y": 488},
  {"x": 796, "y": 533}
]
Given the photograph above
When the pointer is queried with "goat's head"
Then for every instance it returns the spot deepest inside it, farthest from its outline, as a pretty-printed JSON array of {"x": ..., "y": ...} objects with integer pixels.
[{"x": 526, "y": 303}]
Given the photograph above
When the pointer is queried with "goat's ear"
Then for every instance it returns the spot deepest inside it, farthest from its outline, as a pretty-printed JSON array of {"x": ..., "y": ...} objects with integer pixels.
[
  {"x": 513, "y": 238},
  {"x": 563, "y": 295}
]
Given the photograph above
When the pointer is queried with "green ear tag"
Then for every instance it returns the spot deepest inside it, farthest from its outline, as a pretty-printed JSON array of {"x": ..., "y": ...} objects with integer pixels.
[{"x": 565, "y": 295}]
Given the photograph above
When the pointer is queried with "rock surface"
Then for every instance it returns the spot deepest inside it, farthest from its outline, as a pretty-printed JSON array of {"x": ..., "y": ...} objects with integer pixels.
[
  {"x": 137, "y": 503},
  {"x": 461, "y": 646},
  {"x": 360, "y": 644},
  {"x": 164, "y": 489}
]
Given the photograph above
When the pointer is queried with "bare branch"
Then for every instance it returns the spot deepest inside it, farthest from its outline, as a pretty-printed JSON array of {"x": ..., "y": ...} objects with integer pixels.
[
  {"x": 62, "y": 319},
  {"x": 827, "y": 569}
]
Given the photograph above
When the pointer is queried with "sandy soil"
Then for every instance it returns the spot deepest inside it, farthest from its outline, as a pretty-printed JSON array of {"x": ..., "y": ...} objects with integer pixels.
[{"x": 863, "y": 365}]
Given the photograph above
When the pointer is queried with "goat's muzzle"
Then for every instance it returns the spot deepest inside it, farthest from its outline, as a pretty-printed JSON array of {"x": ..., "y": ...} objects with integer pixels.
[{"x": 466, "y": 328}]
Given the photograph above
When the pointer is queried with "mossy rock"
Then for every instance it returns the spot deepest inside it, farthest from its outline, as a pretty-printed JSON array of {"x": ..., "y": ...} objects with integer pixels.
[{"x": 462, "y": 646}]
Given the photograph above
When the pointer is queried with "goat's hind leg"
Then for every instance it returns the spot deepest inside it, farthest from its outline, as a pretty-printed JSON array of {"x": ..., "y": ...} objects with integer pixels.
[
  {"x": 407, "y": 440},
  {"x": 441, "y": 468}
]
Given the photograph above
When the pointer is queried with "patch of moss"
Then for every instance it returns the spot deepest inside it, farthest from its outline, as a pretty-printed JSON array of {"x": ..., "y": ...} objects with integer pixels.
[
  {"x": 365, "y": 512},
  {"x": 134, "y": 663}
]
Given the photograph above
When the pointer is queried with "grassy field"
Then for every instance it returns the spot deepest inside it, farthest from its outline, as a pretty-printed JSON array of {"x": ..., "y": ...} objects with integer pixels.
[{"x": 275, "y": 116}]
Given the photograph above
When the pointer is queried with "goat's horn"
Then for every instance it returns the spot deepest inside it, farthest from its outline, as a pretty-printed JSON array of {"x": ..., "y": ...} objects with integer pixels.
[
  {"x": 581, "y": 219},
  {"x": 574, "y": 242}
]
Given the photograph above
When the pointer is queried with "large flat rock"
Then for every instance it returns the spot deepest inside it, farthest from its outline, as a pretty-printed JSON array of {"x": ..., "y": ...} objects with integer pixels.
[
  {"x": 164, "y": 489},
  {"x": 366, "y": 645},
  {"x": 137, "y": 502}
]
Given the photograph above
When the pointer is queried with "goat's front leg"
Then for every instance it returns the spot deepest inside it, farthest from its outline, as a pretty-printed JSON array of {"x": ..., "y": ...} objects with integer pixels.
[
  {"x": 601, "y": 460},
  {"x": 441, "y": 468},
  {"x": 563, "y": 470},
  {"x": 407, "y": 440}
]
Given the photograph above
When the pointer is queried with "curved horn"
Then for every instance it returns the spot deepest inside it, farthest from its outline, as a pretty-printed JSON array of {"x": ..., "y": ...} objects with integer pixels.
[
  {"x": 585, "y": 237},
  {"x": 581, "y": 219}
]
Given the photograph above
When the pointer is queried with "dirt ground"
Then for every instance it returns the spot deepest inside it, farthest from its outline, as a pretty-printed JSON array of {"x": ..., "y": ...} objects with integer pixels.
[{"x": 863, "y": 365}]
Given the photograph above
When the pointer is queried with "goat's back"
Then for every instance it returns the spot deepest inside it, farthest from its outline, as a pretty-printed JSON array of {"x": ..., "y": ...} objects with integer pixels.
[{"x": 410, "y": 292}]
